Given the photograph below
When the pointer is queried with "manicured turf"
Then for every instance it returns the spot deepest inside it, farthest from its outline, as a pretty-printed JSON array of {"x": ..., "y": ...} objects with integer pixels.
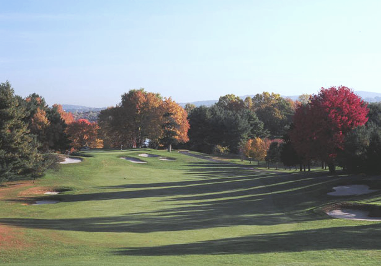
[{"x": 189, "y": 211}]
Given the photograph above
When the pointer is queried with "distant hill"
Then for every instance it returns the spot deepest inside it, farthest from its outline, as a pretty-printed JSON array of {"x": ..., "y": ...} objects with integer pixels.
[
  {"x": 367, "y": 96},
  {"x": 78, "y": 108}
]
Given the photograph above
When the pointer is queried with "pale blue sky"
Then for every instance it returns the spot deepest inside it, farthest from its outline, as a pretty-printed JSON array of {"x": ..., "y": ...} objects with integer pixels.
[{"x": 91, "y": 52}]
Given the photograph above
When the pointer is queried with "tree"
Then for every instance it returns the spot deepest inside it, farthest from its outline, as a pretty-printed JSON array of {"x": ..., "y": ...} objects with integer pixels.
[
  {"x": 47, "y": 124},
  {"x": 231, "y": 128},
  {"x": 231, "y": 102},
  {"x": 111, "y": 128},
  {"x": 37, "y": 119},
  {"x": 142, "y": 114},
  {"x": 274, "y": 111},
  {"x": 189, "y": 107},
  {"x": 248, "y": 103},
  {"x": 320, "y": 126},
  {"x": 304, "y": 98},
  {"x": 288, "y": 155},
  {"x": 354, "y": 155},
  {"x": 18, "y": 148},
  {"x": 256, "y": 148},
  {"x": 83, "y": 133},
  {"x": 175, "y": 124},
  {"x": 273, "y": 154},
  {"x": 57, "y": 138},
  {"x": 374, "y": 152},
  {"x": 200, "y": 132},
  {"x": 374, "y": 115},
  {"x": 66, "y": 116},
  {"x": 219, "y": 125}
]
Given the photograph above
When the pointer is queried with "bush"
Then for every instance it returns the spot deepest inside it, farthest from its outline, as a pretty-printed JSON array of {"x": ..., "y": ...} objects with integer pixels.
[{"x": 220, "y": 150}]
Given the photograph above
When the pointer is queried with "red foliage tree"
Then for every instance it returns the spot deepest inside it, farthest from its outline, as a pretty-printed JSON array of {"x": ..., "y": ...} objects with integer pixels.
[{"x": 321, "y": 125}]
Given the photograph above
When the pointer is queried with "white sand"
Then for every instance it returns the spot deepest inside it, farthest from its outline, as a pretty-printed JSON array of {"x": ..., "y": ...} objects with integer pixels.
[
  {"x": 148, "y": 155},
  {"x": 71, "y": 160},
  {"x": 166, "y": 159},
  {"x": 41, "y": 202},
  {"x": 352, "y": 214},
  {"x": 51, "y": 193},
  {"x": 351, "y": 190},
  {"x": 133, "y": 160}
]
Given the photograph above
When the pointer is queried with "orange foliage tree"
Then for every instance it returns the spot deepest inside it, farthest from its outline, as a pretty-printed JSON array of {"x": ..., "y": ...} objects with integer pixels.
[
  {"x": 256, "y": 148},
  {"x": 83, "y": 133},
  {"x": 66, "y": 116},
  {"x": 139, "y": 116},
  {"x": 175, "y": 124},
  {"x": 143, "y": 115}
]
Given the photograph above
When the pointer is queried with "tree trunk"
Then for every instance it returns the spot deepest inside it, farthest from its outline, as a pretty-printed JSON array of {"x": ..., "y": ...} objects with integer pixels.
[
  {"x": 301, "y": 167},
  {"x": 170, "y": 148},
  {"x": 332, "y": 168}
]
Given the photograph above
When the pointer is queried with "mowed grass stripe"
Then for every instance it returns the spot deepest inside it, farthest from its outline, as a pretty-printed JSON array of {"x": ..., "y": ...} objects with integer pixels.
[{"x": 188, "y": 210}]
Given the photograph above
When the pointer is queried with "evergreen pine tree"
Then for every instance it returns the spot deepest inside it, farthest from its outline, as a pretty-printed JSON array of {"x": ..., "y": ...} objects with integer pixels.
[{"x": 18, "y": 149}]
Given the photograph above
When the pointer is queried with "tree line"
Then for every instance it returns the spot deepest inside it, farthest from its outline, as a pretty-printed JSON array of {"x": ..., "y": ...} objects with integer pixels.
[
  {"x": 32, "y": 133},
  {"x": 334, "y": 127},
  {"x": 232, "y": 121}
]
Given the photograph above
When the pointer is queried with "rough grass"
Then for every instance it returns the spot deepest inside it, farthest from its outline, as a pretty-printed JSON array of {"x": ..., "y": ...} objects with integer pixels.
[{"x": 188, "y": 211}]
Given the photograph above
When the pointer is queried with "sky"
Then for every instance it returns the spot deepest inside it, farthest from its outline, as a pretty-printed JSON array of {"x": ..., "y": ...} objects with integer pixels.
[{"x": 90, "y": 52}]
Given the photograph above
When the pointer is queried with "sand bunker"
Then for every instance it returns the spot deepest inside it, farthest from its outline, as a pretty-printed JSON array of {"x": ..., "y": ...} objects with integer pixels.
[
  {"x": 166, "y": 159},
  {"x": 41, "y": 202},
  {"x": 71, "y": 160},
  {"x": 148, "y": 155},
  {"x": 133, "y": 160},
  {"x": 51, "y": 193},
  {"x": 351, "y": 190},
  {"x": 352, "y": 214}
]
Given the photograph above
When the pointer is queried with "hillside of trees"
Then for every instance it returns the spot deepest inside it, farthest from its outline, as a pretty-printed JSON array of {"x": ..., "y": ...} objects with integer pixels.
[{"x": 333, "y": 128}]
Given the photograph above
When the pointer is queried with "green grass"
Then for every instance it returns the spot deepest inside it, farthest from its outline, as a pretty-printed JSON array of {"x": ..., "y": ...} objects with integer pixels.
[{"x": 189, "y": 211}]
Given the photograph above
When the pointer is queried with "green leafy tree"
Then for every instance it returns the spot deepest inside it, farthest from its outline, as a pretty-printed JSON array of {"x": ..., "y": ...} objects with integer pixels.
[
  {"x": 200, "y": 132},
  {"x": 231, "y": 102},
  {"x": 57, "y": 138},
  {"x": 288, "y": 155},
  {"x": 374, "y": 115},
  {"x": 273, "y": 154},
  {"x": 274, "y": 111},
  {"x": 189, "y": 107},
  {"x": 18, "y": 148},
  {"x": 224, "y": 126},
  {"x": 112, "y": 130}
]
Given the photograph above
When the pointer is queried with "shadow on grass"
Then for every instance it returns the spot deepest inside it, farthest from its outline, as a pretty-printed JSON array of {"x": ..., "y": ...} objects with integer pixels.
[
  {"x": 227, "y": 196},
  {"x": 364, "y": 237},
  {"x": 221, "y": 195}
]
